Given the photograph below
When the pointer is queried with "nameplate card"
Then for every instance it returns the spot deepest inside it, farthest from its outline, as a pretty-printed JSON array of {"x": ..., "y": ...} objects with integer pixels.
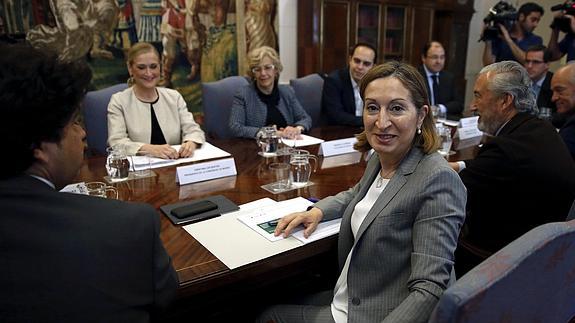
[
  {"x": 468, "y": 132},
  {"x": 468, "y": 122},
  {"x": 337, "y": 147},
  {"x": 205, "y": 171}
]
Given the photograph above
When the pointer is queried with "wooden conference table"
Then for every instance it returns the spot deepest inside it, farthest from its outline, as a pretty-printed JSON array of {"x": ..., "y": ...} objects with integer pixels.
[{"x": 200, "y": 271}]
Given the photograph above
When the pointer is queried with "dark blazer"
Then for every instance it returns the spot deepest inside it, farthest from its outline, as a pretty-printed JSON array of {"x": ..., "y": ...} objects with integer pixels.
[
  {"x": 74, "y": 258},
  {"x": 403, "y": 253},
  {"x": 338, "y": 101},
  {"x": 567, "y": 133},
  {"x": 448, "y": 94},
  {"x": 522, "y": 178},
  {"x": 249, "y": 113},
  {"x": 545, "y": 94}
]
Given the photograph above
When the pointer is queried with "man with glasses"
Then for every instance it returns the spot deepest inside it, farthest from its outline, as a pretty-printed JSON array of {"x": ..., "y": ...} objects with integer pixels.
[
  {"x": 537, "y": 65},
  {"x": 341, "y": 102},
  {"x": 443, "y": 94},
  {"x": 511, "y": 45}
]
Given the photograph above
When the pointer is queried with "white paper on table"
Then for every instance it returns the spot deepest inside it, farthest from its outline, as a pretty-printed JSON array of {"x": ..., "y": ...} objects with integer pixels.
[
  {"x": 305, "y": 141},
  {"x": 261, "y": 216},
  {"x": 207, "y": 151},
  {"x": 451, "y": 123},
  {"x": 77, "y": 188},
  {"x": 323, "y": 230},
  {"x": 234, "y": 243}
]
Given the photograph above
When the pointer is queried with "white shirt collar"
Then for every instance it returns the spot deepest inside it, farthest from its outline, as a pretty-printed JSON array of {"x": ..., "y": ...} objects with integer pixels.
[
  {"x": 541, "y": 80},
  {"x": 428, "y": 72},
  {"x": 42, "y": 179},
  {"x": 353, "y": 82}
]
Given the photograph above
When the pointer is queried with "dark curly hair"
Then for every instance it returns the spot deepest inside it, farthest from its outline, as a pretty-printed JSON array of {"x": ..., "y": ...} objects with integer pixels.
[{"x": 39, "y": 96}]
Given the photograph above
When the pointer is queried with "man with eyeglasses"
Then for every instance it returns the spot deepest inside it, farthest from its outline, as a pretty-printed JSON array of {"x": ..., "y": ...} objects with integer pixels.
[
  {"x": 341, "y": 101},
  {"x": 537, "y": 65},
  {"x": 511, "y": 44},
  {"x": 443, "y": 94}
]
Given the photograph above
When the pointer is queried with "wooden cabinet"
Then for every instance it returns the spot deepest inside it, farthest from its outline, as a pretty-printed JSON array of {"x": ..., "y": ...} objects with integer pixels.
[{"x": 398, "y": 29}]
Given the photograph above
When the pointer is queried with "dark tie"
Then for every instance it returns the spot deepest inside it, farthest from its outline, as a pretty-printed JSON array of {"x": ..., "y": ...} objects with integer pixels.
[{"x": 435, "y": 89}]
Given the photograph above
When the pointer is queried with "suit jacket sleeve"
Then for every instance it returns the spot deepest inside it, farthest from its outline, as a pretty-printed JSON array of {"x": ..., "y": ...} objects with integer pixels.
[
  {"x": 568, "y": 135},
  {"x": 332, "y": 103},
  {"x": 300, "y": 117},
  {"x": 117, "y": 126},
  {"x": 191, "y": 131},
  {"x": 435, "y": 234},
  {"x": 238, "y": 120},
  {"x": 165, "y": 277}
]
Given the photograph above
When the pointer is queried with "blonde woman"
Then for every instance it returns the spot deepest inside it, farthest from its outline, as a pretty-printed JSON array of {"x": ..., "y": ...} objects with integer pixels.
[
  {"x": 264, "y": 102},
  {"x": 147, "y": 119}
]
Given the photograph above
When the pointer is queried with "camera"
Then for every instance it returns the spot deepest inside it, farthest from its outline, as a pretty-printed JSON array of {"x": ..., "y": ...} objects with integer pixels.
[
  {"x": 502, "y": 13},
  {"x": 563, "y": 23}
]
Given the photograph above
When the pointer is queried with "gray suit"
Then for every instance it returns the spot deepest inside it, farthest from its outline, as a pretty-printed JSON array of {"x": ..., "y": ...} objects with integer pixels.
[
  {"x": 404, "y": 250},
  {"x": 403, "y": 254},
  {"x": 249, "y": 113}
]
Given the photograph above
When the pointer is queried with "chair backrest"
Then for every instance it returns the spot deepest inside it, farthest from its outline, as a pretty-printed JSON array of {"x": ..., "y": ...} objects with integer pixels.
[
  {"x": 530, "y": 280},
  {"x": 217, "y": 99},
  {"x": 308, "y": 90},
  {"x": 95, "y": 114}
]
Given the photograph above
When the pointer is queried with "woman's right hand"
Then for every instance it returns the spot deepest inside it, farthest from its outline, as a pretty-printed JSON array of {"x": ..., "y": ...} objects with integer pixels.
[
  {"x": 160, "y": 151},
  {"x": 309, "y": 219}
]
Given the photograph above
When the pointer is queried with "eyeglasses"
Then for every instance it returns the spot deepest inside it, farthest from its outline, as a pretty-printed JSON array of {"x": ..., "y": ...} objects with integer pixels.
[
  {"x": 534, "y": 62},
  {"x": 267, "y": 68}
]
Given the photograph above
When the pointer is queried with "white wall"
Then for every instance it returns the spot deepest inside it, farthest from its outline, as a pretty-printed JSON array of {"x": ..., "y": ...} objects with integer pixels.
[
  {"x": 287, "y": 14},
  {"x": 475, "y": 49}
]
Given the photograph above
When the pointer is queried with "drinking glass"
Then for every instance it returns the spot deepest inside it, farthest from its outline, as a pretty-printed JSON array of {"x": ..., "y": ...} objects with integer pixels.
[
  {"x": 100, "y": 189},
  {"x": 282, "y": 178}
]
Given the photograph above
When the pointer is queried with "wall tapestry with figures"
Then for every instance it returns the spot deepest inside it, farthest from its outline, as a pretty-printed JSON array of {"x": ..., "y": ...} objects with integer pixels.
[{"x": 199, "y": 40}]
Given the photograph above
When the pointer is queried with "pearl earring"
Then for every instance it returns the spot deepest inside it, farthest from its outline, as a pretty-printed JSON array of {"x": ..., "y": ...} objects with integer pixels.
[{"x": 418, "y": 130}]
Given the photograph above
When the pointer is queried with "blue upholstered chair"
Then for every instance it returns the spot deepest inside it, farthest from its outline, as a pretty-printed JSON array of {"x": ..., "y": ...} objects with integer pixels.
[
  {"x": 95, "y": 112},
  {"x": 530, "y": 280},
  {"x": 308, "y": 90},
  {"x": 217, "y": 99}
]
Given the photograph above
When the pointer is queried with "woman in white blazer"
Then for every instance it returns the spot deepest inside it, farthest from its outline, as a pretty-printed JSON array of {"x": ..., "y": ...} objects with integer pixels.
[
  {"x": 146, "y": 119},
  {"x": 400, "y": 223}
]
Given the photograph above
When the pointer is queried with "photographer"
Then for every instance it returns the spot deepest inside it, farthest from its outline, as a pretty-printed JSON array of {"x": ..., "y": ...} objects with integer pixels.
[
  {"x": 511, "y": 44},
  {"x": 563, "y": 21}
]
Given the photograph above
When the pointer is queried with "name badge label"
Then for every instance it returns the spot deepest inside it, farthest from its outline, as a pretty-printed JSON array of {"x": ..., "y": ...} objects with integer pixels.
[
  {"x": 468, "y": 122},
  {"x": 337, "y": 147},
  {"x": 206, "y": 171},
  {"x": 469, "y": 132}
]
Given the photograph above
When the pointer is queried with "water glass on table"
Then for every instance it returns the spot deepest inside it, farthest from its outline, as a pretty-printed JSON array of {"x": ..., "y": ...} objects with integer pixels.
[
  {"x": 100, "y": 189},
  {"x": 281, "y": 175}
]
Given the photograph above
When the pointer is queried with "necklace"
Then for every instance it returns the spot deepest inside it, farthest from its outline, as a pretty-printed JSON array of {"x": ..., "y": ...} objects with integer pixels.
[{"x": 380, "y": 178}]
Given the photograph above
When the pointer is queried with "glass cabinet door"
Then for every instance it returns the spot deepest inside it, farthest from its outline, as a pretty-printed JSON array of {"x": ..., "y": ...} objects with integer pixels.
[
  {"x": 368, "y": 24},
  {"x": 394, "y": 41}
]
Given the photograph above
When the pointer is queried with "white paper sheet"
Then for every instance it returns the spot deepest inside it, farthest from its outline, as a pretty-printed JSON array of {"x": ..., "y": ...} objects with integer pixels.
[
  {"x": 305, "y": 141},
  {"x": 208, "y": 151},
  {"x": 236, "y": 244}
]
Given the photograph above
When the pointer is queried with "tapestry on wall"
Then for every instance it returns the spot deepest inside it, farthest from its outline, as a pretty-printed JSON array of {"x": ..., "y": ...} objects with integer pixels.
[{"x": 199, "y": 40}]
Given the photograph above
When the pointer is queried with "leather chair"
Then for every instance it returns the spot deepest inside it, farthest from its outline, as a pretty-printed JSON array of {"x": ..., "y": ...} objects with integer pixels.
[
  {"x": 217, "y": 99},
  {"x": 308, "y": 90},
  {"x": 530, "y": 280},
  {"x": 95, "y": 113}
]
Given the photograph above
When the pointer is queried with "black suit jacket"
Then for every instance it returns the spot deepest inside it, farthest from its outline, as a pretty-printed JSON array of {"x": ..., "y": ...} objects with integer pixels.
[
  {"x": 74, "y": 258},
  {"x": 448, "y": 94},
  {"x": 522, "y": 178},
  {"x": 567, "y": 133},
  {"x": 545, "y": 94},
  {"x": 338, "y": 101}
]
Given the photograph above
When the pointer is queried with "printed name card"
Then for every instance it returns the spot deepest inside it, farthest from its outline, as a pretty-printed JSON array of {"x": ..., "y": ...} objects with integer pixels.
[
  {"x": 469, "y": 132},
  {"x": 468, "y": 122},
  {"x": 337, "y": 147},
  {"x": 206, "y": 171}
]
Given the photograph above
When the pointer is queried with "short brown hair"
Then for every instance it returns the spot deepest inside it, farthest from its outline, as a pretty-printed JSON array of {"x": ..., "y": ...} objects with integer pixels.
[
  {"x": 256, "y": 56},
  {"x": 428, "y": 140}
]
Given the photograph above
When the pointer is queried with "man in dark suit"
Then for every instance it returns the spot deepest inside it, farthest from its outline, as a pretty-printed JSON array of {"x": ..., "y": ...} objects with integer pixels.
[
  {"x": 537, "y": 65},
  {"x": 66, "y": 257},
  {"x": 440, "y": 84},
  {"x": 563, "y": 86},
  {"x": 523, "y": 175},
  {"x": 341, "y": 101}
]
